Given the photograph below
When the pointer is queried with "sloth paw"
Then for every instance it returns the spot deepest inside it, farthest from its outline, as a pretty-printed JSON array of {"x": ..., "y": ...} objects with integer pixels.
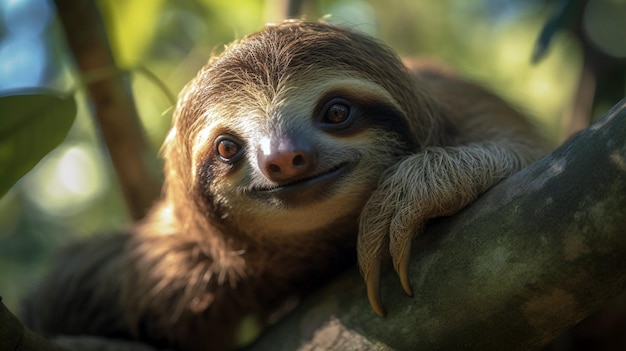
[{"x": 388, "y": 223}]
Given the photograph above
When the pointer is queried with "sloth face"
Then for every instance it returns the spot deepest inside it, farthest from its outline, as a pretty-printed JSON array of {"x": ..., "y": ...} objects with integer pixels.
[
  {"x": 306, "y": 159},
  {"x": 290, "y": 131}
]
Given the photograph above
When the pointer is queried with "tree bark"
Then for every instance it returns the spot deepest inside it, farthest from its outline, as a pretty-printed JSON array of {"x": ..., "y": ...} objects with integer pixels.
[{"x": 528, "y": 260}]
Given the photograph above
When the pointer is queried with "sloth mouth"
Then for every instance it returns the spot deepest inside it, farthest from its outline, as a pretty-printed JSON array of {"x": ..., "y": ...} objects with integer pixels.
[{"x": 308, "y": 189}]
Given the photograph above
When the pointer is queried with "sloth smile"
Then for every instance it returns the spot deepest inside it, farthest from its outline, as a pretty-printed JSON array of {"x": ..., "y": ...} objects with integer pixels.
[{"x": 308, "y": 189}]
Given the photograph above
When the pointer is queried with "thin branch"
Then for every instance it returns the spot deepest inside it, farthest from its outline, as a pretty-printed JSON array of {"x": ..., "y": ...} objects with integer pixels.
[{"x": 113, "y": 104}]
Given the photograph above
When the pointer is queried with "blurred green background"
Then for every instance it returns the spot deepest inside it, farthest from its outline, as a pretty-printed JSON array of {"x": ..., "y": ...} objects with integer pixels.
[{"x": 73, "y": 193}]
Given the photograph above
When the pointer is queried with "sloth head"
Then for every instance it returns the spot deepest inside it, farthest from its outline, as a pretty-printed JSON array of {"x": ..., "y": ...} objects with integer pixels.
[{"x": 290, "y": 129}]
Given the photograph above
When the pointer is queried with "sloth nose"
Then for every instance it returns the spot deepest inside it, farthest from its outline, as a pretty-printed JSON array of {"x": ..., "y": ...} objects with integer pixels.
[{"x": 285, "y": 159}]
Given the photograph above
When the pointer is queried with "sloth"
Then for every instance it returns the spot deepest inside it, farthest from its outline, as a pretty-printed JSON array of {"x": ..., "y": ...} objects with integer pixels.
[{"x": 294, "y": 153}]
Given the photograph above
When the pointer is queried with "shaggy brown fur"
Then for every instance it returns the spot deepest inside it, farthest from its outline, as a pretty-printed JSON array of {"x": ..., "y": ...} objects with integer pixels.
[{"x": 278, "y": 147}]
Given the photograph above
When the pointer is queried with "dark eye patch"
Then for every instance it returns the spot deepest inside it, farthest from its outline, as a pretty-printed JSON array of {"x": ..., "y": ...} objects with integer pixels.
[{"x": 342, "y": 112}]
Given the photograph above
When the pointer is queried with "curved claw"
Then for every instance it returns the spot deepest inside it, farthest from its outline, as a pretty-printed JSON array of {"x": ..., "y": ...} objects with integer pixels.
[
  {"x": 372, "y": 280},
  {"x": 400, "y": 250},
  {"x": 403, "y": 271}
]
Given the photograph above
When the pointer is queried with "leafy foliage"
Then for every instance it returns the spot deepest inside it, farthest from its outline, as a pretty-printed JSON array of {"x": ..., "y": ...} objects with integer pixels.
[{"x": 33, "y": 122}]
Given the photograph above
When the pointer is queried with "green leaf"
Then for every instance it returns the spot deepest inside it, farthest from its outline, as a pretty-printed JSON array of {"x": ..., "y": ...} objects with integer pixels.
[{"x": 32, "y": 123}]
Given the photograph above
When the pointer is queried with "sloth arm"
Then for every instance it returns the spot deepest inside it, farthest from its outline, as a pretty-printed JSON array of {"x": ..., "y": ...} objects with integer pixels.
[{"x": 492, "y": 141}]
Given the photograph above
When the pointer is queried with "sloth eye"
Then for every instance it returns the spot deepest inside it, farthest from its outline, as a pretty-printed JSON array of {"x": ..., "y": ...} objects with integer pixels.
[
  {"x": 228, "y": 149},
  {"x": 337, "y": 113}
]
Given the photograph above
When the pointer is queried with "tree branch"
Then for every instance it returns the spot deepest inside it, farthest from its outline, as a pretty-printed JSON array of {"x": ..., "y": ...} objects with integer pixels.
[
  {"x": 14, "y": 336},
  {"x": 536, "y": 254},
  {"x": 113, "y": 104}
]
